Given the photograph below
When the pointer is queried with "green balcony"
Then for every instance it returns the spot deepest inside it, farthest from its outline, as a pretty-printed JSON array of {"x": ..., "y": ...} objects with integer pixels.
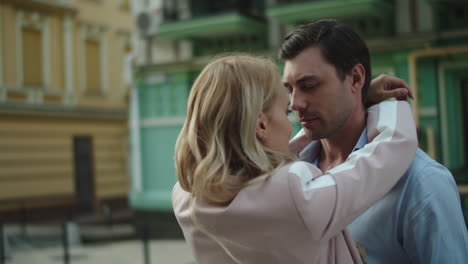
[
  {"x": 450, "y": 15},
  {"x": 446, "y": 1},
  {"x": 298, "y": 12},
  {"x": 232, "y": 23}
]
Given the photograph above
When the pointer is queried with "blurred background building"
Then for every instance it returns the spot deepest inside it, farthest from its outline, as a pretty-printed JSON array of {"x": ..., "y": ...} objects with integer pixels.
[
  {"x": 63, "y": 106},
  {"x": 423, "y": 41}
]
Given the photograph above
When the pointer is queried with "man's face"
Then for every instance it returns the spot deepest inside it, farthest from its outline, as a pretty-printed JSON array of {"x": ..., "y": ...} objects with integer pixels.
[{"x": 322, "y": 101}]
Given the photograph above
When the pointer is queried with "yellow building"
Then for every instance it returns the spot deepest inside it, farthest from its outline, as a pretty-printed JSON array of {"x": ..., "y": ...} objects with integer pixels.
[{"x": 63, "y": 103}]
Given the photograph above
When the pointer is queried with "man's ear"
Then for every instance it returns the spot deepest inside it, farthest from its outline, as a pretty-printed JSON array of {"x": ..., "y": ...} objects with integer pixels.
[
  {"x": 260, "y": 129},
  {"x": 358, "y": 77}
]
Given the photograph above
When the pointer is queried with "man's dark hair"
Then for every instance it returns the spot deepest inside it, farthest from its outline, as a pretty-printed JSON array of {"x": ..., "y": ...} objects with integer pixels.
[{"x": 339, "y": 44}]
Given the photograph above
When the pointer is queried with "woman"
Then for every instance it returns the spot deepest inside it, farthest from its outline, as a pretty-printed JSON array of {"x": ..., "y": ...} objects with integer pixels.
[{"x": 241, "y": 198}]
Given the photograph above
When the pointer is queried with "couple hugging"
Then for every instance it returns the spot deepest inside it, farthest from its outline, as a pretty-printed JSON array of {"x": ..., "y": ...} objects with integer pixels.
[{"x": 351, "y": 187}]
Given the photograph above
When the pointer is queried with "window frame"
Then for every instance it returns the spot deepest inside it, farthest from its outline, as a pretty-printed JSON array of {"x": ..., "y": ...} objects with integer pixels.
[
  {"x": 96, "y": 33},
  {"x": 40, "y": 22}
]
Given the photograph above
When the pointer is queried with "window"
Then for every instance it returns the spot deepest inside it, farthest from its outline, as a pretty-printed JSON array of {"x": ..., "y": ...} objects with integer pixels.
[
  {"x": 452, "y": 16},
  {"x": 33, "y": 62},
  {"x": 126, "y": 70},
  {"x": 125, "y": 5},
  {"x": 93, "y": 60},
  {"x": 93, "y": 66},
  {"x": 32, "y": 57}
]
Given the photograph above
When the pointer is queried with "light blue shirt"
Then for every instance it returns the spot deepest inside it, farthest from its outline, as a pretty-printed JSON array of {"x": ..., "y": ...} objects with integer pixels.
[{"x": 418, "y": 221}]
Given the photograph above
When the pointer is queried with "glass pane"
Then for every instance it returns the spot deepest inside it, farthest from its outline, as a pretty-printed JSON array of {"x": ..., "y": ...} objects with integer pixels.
[
  {"x": 93, "y": 69},
  {"x": 32, "y": 56}
]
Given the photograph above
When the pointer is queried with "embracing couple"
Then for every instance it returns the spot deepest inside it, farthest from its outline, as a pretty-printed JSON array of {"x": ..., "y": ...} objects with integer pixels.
[{"x": 351, "y": 187}]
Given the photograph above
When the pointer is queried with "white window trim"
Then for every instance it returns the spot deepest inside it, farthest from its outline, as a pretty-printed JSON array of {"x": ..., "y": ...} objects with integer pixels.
[
  {"x": 81, "y": 59},
  {"x": 443, "y": 108},
  {"x": 162, "y": 122},
  {"x": 383, "y": 70},
  {"x": 46, "y": 53},
  {"x": 2, "y": 88},
  {"x": 35, "y": 95},
  {"x": 104, "y": 63},
  {"x": 69, "y": 97},
  {"x": 135, "y": 148},
  {"x": 97, "y": 33},
  {"x": 428, "y": 111},
  {"x": 19, "y": 51},
  {"x": 124, "y": 41}
]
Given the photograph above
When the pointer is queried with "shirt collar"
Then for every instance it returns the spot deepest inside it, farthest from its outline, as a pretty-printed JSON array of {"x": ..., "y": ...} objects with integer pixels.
[
  {"x": 311, "y": 151},
  {"x": 362, "y": 140}
]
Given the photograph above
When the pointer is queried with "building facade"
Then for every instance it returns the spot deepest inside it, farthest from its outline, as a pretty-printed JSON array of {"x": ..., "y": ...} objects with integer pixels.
[
  {"x": 63, "y": 103},
  {"x": 424, "y": 42}
]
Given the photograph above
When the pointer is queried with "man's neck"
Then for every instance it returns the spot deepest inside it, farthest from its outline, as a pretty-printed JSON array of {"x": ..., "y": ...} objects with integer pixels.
[{"x": 336, "y": 148}]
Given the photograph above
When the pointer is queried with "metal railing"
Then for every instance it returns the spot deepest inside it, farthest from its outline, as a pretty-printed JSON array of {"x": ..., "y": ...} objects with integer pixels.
[{"x": 202, "y": 8}]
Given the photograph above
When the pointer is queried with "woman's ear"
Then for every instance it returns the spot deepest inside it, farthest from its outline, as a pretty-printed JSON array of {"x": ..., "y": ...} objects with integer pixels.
[{"x": 260, "y": 129}]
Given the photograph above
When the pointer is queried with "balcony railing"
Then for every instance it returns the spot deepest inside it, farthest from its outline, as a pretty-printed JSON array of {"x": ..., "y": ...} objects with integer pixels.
[
  {"x": 285, "y": 2},
  {"x": 202, "y": 8}
]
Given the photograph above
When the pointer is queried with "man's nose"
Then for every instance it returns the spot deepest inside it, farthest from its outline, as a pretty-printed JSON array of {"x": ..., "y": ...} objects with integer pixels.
[{"x": 298, "y": 102}]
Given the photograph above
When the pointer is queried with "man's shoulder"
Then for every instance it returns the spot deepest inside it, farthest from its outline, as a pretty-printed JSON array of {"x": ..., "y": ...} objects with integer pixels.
[
  {"x": 423, "y": 164},
  {"x": 428, "y": 175}
]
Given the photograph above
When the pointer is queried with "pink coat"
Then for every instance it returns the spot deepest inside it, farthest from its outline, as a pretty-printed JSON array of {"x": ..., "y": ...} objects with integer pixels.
[{"x": 300, "y": 214}]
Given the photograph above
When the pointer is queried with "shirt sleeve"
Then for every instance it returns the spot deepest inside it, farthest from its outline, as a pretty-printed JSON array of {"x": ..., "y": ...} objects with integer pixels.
[
  {"x": 329, "y": 202},
  {"x": 434, "y": 230}
]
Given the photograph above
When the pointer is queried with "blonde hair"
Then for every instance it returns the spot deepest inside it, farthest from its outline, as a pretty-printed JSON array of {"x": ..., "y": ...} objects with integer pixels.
[{"x": 217, "y": 152}]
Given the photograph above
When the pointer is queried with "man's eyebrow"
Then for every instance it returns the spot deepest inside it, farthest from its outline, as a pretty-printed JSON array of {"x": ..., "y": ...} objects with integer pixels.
[
  {"x": 301, "y": 80},
  {"x": 305, "y": 78}
]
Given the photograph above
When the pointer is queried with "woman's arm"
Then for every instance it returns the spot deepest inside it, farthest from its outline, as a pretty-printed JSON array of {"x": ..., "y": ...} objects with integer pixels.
[{"x": 328, "y": 203}]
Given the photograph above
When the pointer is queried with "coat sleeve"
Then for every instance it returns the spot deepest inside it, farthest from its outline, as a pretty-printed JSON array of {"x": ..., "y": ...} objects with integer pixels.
[{"x": 329, "y": 202}]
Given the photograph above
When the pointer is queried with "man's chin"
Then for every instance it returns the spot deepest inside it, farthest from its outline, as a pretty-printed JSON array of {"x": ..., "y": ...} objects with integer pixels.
[
  {"x": 311, "y": 134},
  {"x": 316, "y": 134}
]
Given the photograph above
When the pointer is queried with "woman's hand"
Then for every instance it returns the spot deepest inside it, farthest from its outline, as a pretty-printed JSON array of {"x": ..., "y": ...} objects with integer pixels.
[{"x": 384, "y": 87}]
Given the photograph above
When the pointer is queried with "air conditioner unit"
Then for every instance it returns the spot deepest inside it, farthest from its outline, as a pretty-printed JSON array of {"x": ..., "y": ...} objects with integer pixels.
[{"x": 148, "y": 22}]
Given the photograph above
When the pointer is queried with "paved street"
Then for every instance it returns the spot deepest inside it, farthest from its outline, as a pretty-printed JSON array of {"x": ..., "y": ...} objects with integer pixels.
[
  {"x": 42, "y": 245},
  {"x": 124, "y": 252}
]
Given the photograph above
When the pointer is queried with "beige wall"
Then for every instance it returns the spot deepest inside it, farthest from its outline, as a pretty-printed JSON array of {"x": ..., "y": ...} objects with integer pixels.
[
  {"x": 36, "y": 151},
  {"x": 37, "y": 156},
  {"x": 106, "y": 12}
]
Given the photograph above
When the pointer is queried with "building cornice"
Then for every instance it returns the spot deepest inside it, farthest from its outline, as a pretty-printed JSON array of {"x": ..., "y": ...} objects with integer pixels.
[
  {"x": 47, "y": 6},
  {"x": 194, "y": 64},
  {"x": 60, "y": 111},
  {"x": 413, "y": 40}
]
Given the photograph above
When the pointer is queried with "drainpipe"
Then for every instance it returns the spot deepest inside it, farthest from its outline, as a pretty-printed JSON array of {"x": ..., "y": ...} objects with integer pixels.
[
  {"x": 134, "y": 122},
  {"x": 431, "y": 146},
  {"x": 413, "y": 75},
  {"x": 135, "y": 159}
]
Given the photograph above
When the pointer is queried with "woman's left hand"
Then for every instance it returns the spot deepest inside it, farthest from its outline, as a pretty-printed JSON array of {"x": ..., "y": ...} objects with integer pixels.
[{"x": 385, "y": 87}]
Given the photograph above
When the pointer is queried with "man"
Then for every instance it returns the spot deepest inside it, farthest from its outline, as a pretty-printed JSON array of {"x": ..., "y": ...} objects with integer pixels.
[{"x": 327, "y": 72}]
